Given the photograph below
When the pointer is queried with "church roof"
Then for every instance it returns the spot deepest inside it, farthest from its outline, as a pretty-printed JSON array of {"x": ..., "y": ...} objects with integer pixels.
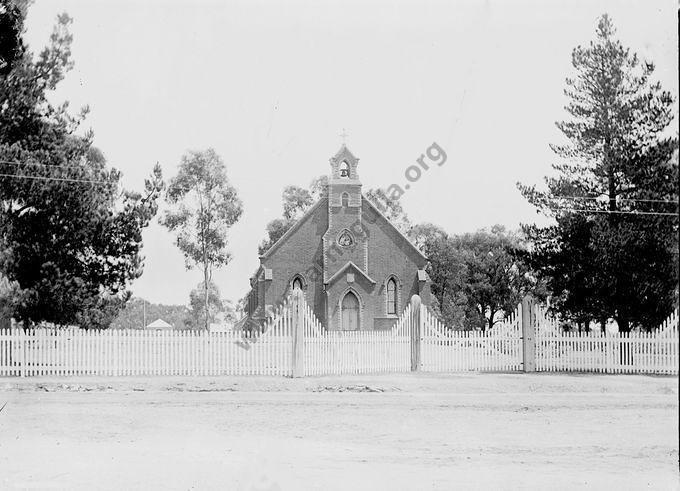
[
  {"x": 309, "y": 213},
  {"x": 380, "y": 213},
  {"x": 292, "y": 229},
  {"x": 344, "y": 154},
  {"x": 349, "y": 264}
]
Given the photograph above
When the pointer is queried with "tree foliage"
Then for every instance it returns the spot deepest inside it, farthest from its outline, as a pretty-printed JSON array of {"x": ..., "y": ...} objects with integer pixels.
[
  {"x": 496, "y": 278},
  {"x": 296, "y": 201},
  {"x": 12, "y": 14},
  {"x": 138, "y": 313},
  {"x": 446, "y": 269},
  {"x": 477, "y": 278},
  {"x": 391, "y": 208},
  {"x": 197, "y": 305},
  {"x": 69, "y": 236},
  {"x": 203, "y": 206},
  {"x": 612, "y": 252}
]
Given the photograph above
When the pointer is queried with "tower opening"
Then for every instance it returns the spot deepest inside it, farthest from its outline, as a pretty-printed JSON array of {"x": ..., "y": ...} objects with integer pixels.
[{"x": 344, "y": 169}]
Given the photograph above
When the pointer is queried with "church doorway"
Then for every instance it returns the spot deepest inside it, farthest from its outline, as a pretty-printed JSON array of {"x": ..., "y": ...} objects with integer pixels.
[{"x": 350, "y": 312}]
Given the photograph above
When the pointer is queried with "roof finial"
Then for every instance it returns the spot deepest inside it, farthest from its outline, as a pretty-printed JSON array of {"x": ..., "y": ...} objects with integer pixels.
[{"x": 344, "y": 136}]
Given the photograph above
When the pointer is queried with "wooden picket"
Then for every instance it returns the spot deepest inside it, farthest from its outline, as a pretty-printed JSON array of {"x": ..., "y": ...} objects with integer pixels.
[
  {"x": 353, "y": 352},
  {"x": 633, "y": 352}
]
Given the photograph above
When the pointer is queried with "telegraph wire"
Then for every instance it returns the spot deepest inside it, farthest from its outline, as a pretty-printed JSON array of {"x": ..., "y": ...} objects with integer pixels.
[
  {"x": 605, "y": 199},
  {"x": 65, "y": 179},
  {"x": 619, "y": 212}
]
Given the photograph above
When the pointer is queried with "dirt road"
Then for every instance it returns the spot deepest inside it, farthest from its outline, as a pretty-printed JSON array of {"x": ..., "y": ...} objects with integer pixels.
[{"x": 484, "y": 431}]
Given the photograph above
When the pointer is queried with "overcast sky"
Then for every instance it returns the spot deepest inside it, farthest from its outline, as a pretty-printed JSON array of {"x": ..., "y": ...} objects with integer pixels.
[{"x": 271, "y": 86}]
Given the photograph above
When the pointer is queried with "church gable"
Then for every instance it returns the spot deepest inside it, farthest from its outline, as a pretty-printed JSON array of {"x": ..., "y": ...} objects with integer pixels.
[
  {"x": 318, "y": 217},
  {"x": 353, "y": 271},
  {"x": 374, "y": 220}
]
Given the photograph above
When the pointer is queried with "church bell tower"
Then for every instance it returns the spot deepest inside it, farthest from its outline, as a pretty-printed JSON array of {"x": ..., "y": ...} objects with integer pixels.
[
  {"x": 344, "y": 240},
  {"x": 344, "y": 179}
]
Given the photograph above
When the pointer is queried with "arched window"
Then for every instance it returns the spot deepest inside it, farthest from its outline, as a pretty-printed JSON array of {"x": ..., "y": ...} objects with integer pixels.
[
  {"x": 344, "y": 169},
  {"x": 345, "y": 200},
  {"x": 391, "y": 296},
  {"x": 297, "y": 283}
]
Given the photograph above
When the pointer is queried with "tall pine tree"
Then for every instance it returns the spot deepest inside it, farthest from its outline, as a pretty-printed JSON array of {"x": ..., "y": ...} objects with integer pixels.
[{"x": 613, "y": 252}]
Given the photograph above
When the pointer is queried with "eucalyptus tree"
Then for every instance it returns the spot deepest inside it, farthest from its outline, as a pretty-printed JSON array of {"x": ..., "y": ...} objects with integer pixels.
[{"x": 203, "y": 206}]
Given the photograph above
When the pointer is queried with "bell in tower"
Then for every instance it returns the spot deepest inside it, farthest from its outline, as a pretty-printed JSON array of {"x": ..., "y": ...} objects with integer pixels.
[{"x": 344, "y": 169}]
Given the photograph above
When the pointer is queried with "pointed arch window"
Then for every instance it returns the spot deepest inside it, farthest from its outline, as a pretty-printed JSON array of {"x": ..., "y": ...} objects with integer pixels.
[
  {"x": 297, "y": 283},
  {"x": 345, "y": 200},
  {"x": 391, "y": 296}
]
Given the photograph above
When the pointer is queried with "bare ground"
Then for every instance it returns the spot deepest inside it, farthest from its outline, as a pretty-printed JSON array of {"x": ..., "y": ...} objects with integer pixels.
[{"x": 472, "y": 431}]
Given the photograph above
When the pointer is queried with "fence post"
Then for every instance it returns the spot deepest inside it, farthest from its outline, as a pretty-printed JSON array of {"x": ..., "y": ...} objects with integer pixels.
[
  {"x": 416, "y": 334},
  {"x": 298, "y": 355},
  {"x": 528, "y": 334}
]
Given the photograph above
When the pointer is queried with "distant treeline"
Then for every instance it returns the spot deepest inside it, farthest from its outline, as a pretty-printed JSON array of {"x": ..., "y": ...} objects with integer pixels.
[{"x": 132, "y": 315}]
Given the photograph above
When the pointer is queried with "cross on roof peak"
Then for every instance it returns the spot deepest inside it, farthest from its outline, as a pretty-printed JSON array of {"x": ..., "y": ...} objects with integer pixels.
[{"x": 344, "y": 136}]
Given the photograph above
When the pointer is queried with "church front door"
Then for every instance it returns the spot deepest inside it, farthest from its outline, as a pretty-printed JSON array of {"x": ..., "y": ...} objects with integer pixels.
[{"x": 350, "y": 312}]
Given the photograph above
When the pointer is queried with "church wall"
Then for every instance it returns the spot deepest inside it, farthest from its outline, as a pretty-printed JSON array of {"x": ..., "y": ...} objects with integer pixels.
[
  {"x": 390, "y": 254},
  {"x": 301, "y": 253}
]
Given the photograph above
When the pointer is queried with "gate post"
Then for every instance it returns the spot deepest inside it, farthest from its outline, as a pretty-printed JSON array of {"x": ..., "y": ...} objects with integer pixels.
[
  {"x": 416, "y": 334},
  {"x": 298, "y": 354},
  {"x": 528, "y": 334}
]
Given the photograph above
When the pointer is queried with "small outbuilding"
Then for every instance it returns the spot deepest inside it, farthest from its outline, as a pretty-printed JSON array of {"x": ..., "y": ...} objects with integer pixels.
[{"x": 159, "y": 325}]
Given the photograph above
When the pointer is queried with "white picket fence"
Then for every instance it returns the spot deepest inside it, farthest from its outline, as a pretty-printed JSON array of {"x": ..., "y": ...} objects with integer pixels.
[
  {"x": 293, "y": 341},
  {"x": 634, "y": 352},
  {"x": 44, "y": 352},
  {"x": 446, "y": 350}
]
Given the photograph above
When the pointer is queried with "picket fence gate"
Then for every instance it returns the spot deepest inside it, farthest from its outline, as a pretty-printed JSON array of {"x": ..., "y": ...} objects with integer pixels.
[
  {"x": 292, "y": 342},
  {"x": 447, "y": 350}
]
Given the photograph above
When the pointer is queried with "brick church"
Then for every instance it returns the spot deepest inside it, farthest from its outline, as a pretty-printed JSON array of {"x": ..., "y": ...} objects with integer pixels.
[{"x": 355, "y": 269}]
